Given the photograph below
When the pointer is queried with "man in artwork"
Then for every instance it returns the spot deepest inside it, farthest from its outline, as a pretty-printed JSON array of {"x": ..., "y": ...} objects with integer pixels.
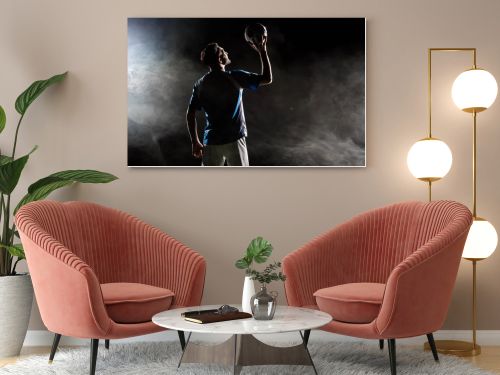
[{"x": 219, "y": 95}]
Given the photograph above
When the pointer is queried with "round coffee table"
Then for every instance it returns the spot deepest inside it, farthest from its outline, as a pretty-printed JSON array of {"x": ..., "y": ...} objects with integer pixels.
[{"x": 242, "y": 348}]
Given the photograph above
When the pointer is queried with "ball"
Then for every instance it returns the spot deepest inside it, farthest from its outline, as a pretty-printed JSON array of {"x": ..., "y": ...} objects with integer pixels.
[{"x": 255, "y": 32}]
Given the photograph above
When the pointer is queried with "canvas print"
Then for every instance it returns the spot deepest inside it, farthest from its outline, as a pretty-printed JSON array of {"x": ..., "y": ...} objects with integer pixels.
[{"x": 267, "y": 92}]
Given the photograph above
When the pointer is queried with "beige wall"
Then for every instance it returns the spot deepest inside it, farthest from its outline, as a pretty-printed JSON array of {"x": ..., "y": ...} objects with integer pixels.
[{"x": 83, "y": 124}]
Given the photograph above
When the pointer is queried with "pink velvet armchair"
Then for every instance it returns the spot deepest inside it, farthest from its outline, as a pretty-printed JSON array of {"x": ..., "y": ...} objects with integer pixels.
[
  {"x": 385, "y": 274},
  {"x": 100, "y": 273}
]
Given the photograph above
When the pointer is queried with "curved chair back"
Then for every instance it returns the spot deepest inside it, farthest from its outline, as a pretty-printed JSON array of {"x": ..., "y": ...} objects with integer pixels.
[
  {"x": 73, "y": 247},
  {"x": 96, "y": 234},
  {"x": 369, "y": 246},
  {"x": 384, "y": 237}
]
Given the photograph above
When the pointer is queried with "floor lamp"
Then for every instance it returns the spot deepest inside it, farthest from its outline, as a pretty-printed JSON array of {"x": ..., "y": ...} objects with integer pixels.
[
  {"x": 429, "y": 159},
  {"x": 473, "y": 91}
]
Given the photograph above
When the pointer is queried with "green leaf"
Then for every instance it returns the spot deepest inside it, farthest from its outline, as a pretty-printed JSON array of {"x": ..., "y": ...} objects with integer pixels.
[
  {"x": 259, "y": 249},
  {"x": 4, "y": 159},
  {"x": 260, "y": 259},
  {"x": 3, "y": 119},
  {"x": 31, "y": 93},
  {"x": 10, "y": 172},
  {"x": 254, "y": 246},
  {"x": 15, "y": 250},
  {"x": 47, "y": 183},
  {"x": 242, "y": 263},
  {"x": 43, "y": 187},
  {"x": 86, "y": 176},
  {"x": 12, "y": 233},
  {"x": 42, "y": 193}
]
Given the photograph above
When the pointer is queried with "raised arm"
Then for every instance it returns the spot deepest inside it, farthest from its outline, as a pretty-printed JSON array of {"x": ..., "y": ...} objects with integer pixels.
[{"x": 266, "y": 75}]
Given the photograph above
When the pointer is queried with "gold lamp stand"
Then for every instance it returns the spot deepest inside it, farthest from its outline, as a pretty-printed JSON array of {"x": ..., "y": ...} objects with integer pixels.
[
  {"x": 455, "y": 347},
  {"x": 462, "y": 348}
]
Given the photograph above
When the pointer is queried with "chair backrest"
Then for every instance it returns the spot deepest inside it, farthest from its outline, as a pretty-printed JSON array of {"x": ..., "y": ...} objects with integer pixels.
[
  {"x": 96, "y": 234},
  {"x": 379, "y": 242},
  {"x": 418, "y": 291},
  {"x": 384, "y": 237},
  {"x": 368, "y": 247}
]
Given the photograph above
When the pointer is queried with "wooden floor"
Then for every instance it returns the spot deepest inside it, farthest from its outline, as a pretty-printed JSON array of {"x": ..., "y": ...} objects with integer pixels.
[{"x": 488, "y": 360}]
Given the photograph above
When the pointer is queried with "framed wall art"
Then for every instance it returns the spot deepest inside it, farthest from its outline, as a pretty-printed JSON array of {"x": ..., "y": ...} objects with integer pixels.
[{"x": 267, "y": 92}]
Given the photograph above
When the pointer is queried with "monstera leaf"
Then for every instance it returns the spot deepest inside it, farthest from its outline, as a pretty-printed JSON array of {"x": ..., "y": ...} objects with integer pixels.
[
  {"x": 242, "y": 263},
  {"x": 258, "y": 250}
]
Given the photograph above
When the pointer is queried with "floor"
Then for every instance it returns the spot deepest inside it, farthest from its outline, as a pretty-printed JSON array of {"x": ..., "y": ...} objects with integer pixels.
[{"x": 488, "y": 360}]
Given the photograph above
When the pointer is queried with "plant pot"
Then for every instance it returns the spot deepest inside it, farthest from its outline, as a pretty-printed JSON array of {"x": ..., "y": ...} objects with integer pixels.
[
  {"x": 16, "y": 298},
  {"x": 248, "y": 292}
]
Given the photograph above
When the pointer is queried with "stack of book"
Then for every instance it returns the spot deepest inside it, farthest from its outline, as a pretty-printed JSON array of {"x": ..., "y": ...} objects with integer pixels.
[{"x": 212, "y": 316}]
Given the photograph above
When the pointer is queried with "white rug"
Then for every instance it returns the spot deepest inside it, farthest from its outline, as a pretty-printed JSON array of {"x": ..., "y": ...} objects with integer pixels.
[{"x": 162, "y": 358}]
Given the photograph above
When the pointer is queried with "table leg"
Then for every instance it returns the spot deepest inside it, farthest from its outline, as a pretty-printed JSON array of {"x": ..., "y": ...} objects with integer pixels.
[
  {"x": 184, "y": 350},
  {"x": 182, "y": 339},
  {"x": 252, "y": 352},
  {"x": 305, "y": 340},
  {"x": 246, "y": 350},
  {"x": 236, "y": 367},
  {"x": 223, "y": 353}
]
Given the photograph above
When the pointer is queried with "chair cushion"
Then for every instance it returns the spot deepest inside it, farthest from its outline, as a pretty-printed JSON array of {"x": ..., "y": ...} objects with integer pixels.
[
  {"x": 351, "y": 303},
  {"x": 135, "y": 303}
]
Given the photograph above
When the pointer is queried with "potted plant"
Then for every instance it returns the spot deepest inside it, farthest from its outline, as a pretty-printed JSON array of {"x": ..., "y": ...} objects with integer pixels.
[
  {"x": 16, "y": 291},
  {"x": 258, "y": 251}
]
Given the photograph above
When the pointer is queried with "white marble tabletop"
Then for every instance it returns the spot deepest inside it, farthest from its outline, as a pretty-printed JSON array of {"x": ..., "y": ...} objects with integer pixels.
[{"x": 286, "y": 319}]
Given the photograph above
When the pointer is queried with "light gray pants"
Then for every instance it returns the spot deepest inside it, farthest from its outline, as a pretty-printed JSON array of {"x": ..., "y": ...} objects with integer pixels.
[{"x": 235, "y": 153}]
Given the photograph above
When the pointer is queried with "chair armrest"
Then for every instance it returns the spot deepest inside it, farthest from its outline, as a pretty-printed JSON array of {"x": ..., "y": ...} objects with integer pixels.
[
  {"x": 163, "y": 261},
  {"x": 322, "y": 262},
  {"x": 67, "y": 290},
  {"x": 419, "y": 289}
]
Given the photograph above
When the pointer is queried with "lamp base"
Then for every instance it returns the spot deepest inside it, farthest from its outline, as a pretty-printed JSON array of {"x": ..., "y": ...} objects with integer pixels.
[{"x": 457, "y": 348}]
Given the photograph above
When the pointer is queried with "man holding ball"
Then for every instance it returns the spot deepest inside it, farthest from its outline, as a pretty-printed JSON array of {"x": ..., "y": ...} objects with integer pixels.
[{"x": 219, "y": 94}]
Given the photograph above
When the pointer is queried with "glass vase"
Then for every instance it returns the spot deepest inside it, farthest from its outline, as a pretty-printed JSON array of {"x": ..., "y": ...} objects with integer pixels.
[{"x": 263, "y": 304}]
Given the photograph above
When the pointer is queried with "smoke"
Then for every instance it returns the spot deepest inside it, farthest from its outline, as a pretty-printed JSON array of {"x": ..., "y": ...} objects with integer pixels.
[
  {"x": 311, "y": 115},
  {"x": 160, "y": 79},
  {"x": 320, "y": 118}
]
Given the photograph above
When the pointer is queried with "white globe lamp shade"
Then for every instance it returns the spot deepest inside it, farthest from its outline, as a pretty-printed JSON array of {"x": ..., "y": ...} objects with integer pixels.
[
  {"x": 474, "y": 90},
  {"x": 481, "y": 241},
  {"x": 429, "y": 159}
]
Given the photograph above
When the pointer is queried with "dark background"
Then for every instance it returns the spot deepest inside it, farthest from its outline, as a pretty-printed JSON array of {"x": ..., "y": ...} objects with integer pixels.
[{"x": 313, "y": 114}]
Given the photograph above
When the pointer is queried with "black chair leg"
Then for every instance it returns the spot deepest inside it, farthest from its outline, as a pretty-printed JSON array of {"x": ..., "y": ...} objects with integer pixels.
[
  {"x": 106, "y": 344},
  {"x": 94, "y": 345},
  {"x": 432, "y": 344},
  {"x": 381, "y": 344},
  {"x": 307, "y": 333},
  {"x": 55, "y": 344},
  {"x": 392, "y": 355},
  {"x": 182, "y": 339}
]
